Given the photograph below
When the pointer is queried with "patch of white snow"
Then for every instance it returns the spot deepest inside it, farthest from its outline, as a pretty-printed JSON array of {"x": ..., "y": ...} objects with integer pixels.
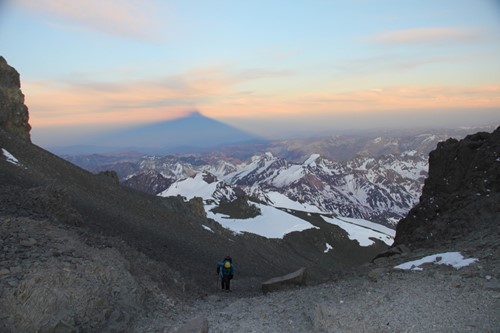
[
  {"x": 454, "y": 259},
  {"x": 282, "y": 201},
  {"x": 10, "y": 158},
  {"x": 288, "y": 176},
  {"x": 272, "y": 223},
  {"x": 328, "y": 248},
  {"x": 362, "y": 230},
  {"x": 311, "y": 160},
  {"x": 207, "y": 228},
  {"x": 191, "y": 187}
]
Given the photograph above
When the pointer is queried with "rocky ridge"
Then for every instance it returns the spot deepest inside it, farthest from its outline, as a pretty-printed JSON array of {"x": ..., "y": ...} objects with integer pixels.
[
  {"x": 461, "y": 194},
  {"x": 13, "y": 112}
]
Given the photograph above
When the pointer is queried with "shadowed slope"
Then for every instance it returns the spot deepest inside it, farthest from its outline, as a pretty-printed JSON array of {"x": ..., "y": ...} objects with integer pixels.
[
  {"x": 167, "y": 230},
  {"x": 192, "y": 132}
]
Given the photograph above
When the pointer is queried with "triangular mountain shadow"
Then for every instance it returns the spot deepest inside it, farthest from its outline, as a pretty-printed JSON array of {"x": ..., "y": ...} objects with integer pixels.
[{"x": 192, "y": 132}]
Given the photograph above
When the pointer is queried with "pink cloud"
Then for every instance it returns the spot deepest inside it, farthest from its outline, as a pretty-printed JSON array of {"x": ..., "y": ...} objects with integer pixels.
[
  {"x": 221, "y": 93},
  {"x": 129, "y": 18},
  {"x": 426, "y": 35},
  {"x": 87, "y": 102},
  {"x": 400, "y": 98}
]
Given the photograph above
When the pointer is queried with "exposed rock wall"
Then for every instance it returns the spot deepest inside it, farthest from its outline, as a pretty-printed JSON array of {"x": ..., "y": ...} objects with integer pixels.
[
  {"x": 461, "y": 194},
  {"x": 13, "y": 113}
]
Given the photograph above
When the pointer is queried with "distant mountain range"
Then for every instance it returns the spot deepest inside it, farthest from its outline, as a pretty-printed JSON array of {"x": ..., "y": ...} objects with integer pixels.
[
  {"x": 377, "y": 178},
  {"x": 372, "y": 176},
  {"x": 380, "y": 190},
  {"x": 193, "y": 132}
]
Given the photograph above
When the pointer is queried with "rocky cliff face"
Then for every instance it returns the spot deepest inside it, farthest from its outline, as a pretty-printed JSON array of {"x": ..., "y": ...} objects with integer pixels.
[
  {"x": 13, "y": 113},
  {"x": 461, "y": 194}
]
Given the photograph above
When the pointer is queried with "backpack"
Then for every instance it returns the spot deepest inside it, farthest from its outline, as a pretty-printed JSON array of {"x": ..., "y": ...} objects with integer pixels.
[{"x": 227, "y": 268}]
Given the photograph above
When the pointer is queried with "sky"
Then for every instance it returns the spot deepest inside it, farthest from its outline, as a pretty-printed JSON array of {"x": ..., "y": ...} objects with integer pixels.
[{"x": 275, "y": 68}]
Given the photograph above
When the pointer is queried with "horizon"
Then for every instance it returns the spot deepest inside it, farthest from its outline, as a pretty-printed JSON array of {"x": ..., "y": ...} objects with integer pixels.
[{"x": 267, "y": 69}]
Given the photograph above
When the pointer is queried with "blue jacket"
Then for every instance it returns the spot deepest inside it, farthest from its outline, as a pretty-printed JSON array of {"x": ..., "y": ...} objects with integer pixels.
[{"x": 223, "y": 271}]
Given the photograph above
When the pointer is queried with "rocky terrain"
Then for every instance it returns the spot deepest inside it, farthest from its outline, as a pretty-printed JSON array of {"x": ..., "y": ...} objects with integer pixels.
[
  {"x": 373, "y": 298},
  {"x": 82, "y": 253}
]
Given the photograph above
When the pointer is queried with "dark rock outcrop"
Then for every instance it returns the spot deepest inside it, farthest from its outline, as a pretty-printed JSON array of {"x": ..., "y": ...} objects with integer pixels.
[
  {"x": 111, "y": 175},
  {"x": 150, "y": 182},
  {"x": 461, "y": 194},
  {"x": 240, "y": 208},
  {"x": 13, "y": 112}
]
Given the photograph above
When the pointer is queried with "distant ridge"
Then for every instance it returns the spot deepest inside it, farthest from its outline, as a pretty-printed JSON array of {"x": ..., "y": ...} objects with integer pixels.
[{"x": 190, "y": 133}]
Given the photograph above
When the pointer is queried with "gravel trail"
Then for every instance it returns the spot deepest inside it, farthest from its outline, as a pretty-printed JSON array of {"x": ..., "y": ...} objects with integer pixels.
[{"x": 375, "y": 299}]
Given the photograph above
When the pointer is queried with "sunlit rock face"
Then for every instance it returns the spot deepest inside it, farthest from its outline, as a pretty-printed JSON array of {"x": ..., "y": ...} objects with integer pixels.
[{"x": 13, "y": 112}]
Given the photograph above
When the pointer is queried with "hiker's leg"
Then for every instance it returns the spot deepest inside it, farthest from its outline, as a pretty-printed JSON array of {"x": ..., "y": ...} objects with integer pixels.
[
  {"x": 228, "y": 283},
  {"x": 222, "y": 282}
]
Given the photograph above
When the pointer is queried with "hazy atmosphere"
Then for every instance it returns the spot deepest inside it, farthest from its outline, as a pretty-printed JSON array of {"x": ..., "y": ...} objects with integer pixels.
[{"x": 273, "y": 68}]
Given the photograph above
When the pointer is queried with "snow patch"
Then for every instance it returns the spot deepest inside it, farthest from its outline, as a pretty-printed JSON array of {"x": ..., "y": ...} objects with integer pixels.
[
  {"x": 282, "y": 201},
  {"x": 454, "y": 259},
  {"x": 362, "y": 230},
  {"x": 393, "y": 221},
  {"x": 410, "y": 153},
  {"x": 191, "y": 187},
  {"x": 288, "y": 176},
  {"x": 328, "y": 248},
  {"x": 10, "y": 158},
  {"x": 312, "y": 160},
  {"x": 207, "y": 228},
  {"x": 272, "y": 223}
]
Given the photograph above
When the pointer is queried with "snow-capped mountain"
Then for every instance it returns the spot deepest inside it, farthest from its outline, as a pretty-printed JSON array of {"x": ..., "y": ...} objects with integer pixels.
[
  {"x": 274, "y": 218},
  {"x": 376, "y": 189},
  {"x": 374, "y": 177}
]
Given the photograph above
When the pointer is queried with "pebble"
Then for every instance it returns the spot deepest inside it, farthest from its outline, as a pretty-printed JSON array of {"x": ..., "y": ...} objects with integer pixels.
[
  {"x": 28, "y": 242},
  {"x": 13, "y": 283}
]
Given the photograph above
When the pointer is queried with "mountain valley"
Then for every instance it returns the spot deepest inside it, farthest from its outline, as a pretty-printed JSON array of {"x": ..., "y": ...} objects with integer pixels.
[{"x": 82, "y": 252}]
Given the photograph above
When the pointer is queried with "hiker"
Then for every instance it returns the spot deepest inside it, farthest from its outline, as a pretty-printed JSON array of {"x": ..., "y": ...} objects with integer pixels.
[{"x": 225, "y": 270}]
